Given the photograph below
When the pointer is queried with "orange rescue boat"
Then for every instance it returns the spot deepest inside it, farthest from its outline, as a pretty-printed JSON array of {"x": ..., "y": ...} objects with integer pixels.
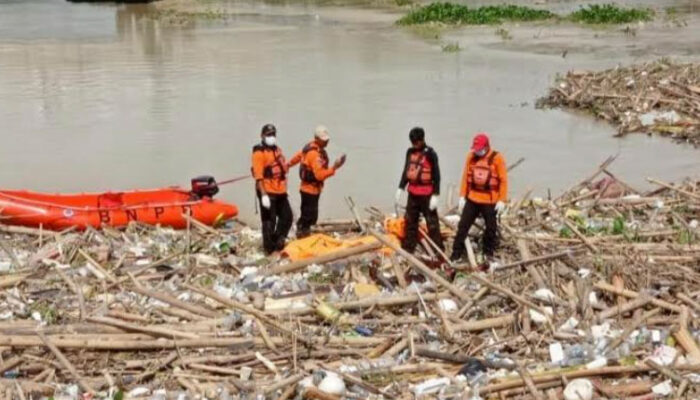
[{"x": 165, "y": 207}]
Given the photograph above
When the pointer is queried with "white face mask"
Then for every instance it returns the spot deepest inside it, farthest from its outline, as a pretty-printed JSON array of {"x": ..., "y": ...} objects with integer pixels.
[
  {"x": 270, "y": 140},
  {"x": 480, "y": 153}
]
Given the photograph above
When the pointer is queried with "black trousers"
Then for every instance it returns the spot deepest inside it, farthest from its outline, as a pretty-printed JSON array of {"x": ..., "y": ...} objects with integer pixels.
[
  {"x": 276, "y": 222},
  {"x": 416, "y": 206},
  {"x": 309, "y": 214},
  {"x": 469, "y": 214}
]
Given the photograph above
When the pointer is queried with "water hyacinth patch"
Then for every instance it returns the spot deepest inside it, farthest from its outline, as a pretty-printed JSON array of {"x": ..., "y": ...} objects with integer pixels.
[
  {"x": 610, "y": 14},
  {"x": 450, "y": 13}
]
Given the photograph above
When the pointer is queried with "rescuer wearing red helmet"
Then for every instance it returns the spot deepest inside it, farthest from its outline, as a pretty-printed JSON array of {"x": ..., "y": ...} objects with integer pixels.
[{"x": 483, "y": 193}]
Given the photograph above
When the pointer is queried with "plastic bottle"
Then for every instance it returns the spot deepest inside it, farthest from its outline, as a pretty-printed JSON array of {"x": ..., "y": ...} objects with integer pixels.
[{"x": 576, "y": 355}]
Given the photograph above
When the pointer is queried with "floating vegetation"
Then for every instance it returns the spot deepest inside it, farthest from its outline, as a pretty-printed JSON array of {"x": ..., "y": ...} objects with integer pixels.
[
  {"x": 610, "y": 14},
  {"x": 457, "y": 14},
  {"x": 450, "y": 13}
]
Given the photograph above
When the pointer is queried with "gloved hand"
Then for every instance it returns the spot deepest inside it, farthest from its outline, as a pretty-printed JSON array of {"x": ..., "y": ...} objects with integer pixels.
[
  {"x": 397, "y": 196},
  {"x": 265, "y": 201},
  {"x": 434, "y": 200},
  {"x": 462, "y": 203},
  {"x": 500, "y": 206}
]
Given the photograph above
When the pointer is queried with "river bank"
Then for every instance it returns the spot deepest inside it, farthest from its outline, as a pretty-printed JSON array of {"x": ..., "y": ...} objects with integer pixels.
[{"x": 598, "y": 284}]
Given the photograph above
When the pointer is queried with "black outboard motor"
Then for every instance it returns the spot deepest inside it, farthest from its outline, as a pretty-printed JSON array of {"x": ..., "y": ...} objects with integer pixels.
[{"x": 204, "y": 186}]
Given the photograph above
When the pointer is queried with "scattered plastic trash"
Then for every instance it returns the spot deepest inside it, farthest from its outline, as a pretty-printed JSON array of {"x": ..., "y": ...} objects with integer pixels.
[
  {"x": 556, "y": 353},
  {"x": 654, "y": 117},
  {"x": 448, "y": 305},
  {"x": 472, "y": 368},
  {"x": 363, "y": 330},
  {"x": 332, "y": 384},
  {"x": 569, "y": 325},
  {"x": 544, "y": 294},
  {"x": 539, "y": 318},
  {"x": 664, "y": 388},
  {"x": 664, "y": 355},
  {"x": 430, "y": 386},
  {"x": 139, "y": 391},
  {"x": 226, "y": 312},
  {"x": 579, "y": 389}
]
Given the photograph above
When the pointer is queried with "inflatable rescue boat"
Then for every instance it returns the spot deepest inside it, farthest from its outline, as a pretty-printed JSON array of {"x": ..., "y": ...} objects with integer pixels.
[{"x": 165, "y": 207}]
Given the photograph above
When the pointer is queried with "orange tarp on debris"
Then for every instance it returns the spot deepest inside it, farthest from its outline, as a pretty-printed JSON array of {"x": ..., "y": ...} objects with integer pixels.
[
  {"x": 320, "y": 244},
  {"x": 397, "y": 228}
]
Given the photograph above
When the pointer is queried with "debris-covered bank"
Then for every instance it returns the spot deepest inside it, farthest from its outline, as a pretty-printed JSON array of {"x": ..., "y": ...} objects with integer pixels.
[
  {"x": 659, "y": 97},
  {"x": 596, "y": 294}
]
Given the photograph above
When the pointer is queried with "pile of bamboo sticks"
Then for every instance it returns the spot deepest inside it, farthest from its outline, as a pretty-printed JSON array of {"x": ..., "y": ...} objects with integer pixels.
[{"x": 587, "y": 285}]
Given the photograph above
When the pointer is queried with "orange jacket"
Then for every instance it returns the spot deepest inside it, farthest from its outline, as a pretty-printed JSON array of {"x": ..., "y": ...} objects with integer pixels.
[
  {"x": 485, "y": 180},
  {"x": 270, "y": 168},
  {"x": 314, "y": 168}
]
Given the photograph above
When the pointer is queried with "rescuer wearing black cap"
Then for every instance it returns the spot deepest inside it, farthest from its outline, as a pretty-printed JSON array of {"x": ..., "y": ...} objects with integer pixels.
[
  {"x": 421, "y": 174},
  {"x": 269, "y": 169}
]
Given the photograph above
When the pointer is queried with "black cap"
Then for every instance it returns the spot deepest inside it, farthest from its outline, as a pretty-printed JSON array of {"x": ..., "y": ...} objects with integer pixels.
[
  {"x": 416, "y": 134},
  {"x": 268, "y": 129}
]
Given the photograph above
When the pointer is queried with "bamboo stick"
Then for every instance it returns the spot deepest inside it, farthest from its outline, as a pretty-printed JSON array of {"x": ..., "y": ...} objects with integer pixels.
[
  {"x": 336, "y": 255},
  {"x": 529, "y": 383},
  {"x": 172, "y": 301},
  {"x": 638, "y": 302},
  {"x": 145, "y": 343},
  {"x": 632, "y": 294},
  {"x": 685, "y": 339},
  {"x": 246, "y": 309},
  {"x": 152, "y": 330},
  {"x": 488, "y": 323},
  {"x": 420, "y": 267},
  {"x": 675, "y": 189},
  {"x": 66, "y": 364},
  {"x": 75, "y": 289}
]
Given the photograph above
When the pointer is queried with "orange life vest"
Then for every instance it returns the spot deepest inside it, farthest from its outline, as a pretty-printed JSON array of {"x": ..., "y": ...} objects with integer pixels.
[
  {"x": 482, "y": 175},
  {"x": 306, "y": 172},
  {"x": 276, "y": 167},
  {"x": 419, "y": 171}
]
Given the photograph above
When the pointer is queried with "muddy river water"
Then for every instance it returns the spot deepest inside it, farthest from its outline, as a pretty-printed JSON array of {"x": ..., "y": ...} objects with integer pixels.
[{"x": 98, "y": 97}]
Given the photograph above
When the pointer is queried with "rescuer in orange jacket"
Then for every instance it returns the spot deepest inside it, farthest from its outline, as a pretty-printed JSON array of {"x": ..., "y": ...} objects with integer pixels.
[
  {"x": 484, "y": 192},
  {"x": 313, "y": 171},
  {"x": 421, "y": 175},
  {"x": 269, "y": 169}
]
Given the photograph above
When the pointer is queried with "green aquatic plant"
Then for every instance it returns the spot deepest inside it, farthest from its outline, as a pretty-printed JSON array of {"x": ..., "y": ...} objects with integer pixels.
[
  {"x": 618, "y": 226},
  {"x": 450, "y": 13},
  {"x": 610, "y": 14}
]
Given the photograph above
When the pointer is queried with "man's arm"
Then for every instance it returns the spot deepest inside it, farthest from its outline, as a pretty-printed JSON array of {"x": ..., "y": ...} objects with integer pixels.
[
  {"x": 404, "y": 181},
  {"x": 320, "y": 172},
  {"x": 436, "y": 171},
  {"x": 258, "y": 162},
  {"x": 465, "y": 185},
  {"x": 502, "y": 170},
  {"x": 296, "y": 159}
]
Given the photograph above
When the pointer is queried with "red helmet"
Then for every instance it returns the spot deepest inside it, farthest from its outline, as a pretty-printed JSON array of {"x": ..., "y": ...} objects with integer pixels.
[{"x": 481, "y": 141}]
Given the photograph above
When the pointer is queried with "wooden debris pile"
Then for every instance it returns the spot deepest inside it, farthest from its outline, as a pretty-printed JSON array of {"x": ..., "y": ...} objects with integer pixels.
[
  {"x": 595, "y": 292},
  {"x": 656, "y": 97}
]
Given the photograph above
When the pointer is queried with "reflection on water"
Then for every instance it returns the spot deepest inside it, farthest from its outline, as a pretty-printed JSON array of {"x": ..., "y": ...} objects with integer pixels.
[{"x": 96, "y": 97}]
